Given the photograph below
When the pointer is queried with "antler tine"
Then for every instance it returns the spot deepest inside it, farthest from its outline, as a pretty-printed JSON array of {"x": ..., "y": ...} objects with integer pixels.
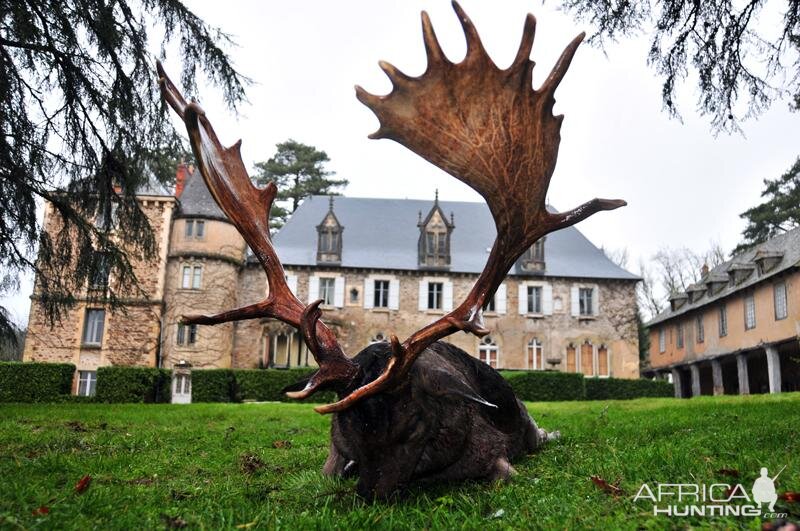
[
  {"x": 501, "y": 139},
  {"x": 248, "y": 209},
  {"x": 432, "y": 47}
]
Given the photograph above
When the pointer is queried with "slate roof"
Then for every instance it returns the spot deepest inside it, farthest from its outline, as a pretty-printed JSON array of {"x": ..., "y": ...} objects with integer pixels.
[
  {"x": 787, "y": 243},
  {"x": 152, "y": 186},
  {"x": 383, "y": 234},
  {"x": 196, "y": 200}
]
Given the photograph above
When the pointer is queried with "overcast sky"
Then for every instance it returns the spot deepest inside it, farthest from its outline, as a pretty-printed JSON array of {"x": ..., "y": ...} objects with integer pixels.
[{"x": 684, "y": 186}]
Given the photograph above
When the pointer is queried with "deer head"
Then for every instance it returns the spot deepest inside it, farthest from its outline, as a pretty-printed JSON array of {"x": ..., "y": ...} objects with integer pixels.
[{"x": 485, "y": 126}]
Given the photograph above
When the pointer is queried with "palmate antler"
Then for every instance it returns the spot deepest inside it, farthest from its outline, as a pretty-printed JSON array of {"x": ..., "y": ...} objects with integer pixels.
[
  {"x": 248, "y": 208},
  {"x": 488, "y": 128}
]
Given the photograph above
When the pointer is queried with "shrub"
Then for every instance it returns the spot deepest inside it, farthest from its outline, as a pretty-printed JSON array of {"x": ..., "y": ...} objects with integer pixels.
[
  {"x": 213, "y": 385},
  {"x": 266, "y": 384},
  {"x": 35, "y": 382},
  {"x": 545, "y": 386},
  {"x": 620, "y": 389},
  {"x": 133, "y": 384}
]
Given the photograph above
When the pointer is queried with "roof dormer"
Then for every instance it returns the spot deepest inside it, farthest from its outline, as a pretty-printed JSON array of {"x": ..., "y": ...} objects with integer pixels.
[
  {"x": 695, "y": 292},
  {"x": 716, "y": 282},
  {"x": 739, "y": 271},
  {"x": 533, "y": 260},
  {"x": 434, "y": 237},
  {"x": 329, "y": 238},
  {"x": 767, "y": 260},
  {"x": 677, "y": 299}
]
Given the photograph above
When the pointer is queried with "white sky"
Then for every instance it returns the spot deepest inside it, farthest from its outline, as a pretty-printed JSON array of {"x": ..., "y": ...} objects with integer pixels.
[{"x": 684, "y": 187}]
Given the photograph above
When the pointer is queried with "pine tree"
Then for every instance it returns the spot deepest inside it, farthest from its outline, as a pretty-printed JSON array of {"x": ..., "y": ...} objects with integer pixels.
[
  {"x": 82, "y": 126},
  {"x": 777, "y": 214},
  {"x": 298, "y": 170}
]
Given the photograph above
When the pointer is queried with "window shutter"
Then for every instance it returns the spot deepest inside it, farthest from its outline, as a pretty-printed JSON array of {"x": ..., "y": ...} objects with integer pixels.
[
  {"x": 291, "y": 281},
  {"x": 394, "y": 294},
  {"x": 313, "y": 289},
  {"x": 575, "y": 307},
  {"x": 500, "y": 299},
  {"x": 523, "y": 299},
  {"x": 596, "y": 300},
  {"x": 423, "y": 295},
  {"x": 369, "y": 293},
  {"x": 338, "y": 292},
  {"x": 447, "y": 295},
  {"x": 547, "y": 299}
]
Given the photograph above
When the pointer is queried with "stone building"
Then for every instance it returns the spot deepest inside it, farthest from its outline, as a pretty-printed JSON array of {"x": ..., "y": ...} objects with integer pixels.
[
  {"x": 737, "y": 331},
  {"x": 382, "y": 266}
]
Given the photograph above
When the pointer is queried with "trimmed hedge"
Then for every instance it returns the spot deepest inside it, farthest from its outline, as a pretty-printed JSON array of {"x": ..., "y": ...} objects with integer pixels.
[
  {"x": 621, "y": 389},
  {"x": 265, "y": 385},
  {"x": 213, "y": 385},
  {"x": 133, "y": 384},
  {"x": 35, "y": 382},
  {"x": 545, "y": 386}
]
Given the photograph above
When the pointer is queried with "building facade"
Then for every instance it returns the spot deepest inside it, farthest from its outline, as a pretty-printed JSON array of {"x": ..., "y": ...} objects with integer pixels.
[
  {"x": 381, "y": 267},
  {"x": 737, "y": 331}
]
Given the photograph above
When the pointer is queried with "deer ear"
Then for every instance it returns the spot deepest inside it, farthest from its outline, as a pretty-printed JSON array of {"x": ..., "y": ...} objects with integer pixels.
[{"x": 445, "y": 384}]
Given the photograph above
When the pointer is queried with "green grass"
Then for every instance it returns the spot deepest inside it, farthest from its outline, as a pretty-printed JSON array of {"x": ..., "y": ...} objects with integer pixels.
[{"x": 218, "y": 466}]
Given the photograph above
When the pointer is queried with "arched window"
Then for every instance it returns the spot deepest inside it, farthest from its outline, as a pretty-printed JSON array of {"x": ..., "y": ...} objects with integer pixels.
[
  {"x": 535, "y": 355},
  {"x": 603, "y": 361},
  {"x": 488, "y": 352},
  {"x": 572, "y": 365},
  {"x": 587, "y": 358}
]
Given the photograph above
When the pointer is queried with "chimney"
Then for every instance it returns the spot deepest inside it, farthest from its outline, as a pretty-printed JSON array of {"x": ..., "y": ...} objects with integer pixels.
[
  {"x": 181, "y": 174},
  {"x": 704, "y": 270}
]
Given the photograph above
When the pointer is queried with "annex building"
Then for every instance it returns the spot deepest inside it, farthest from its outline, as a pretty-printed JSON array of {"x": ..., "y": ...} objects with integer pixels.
[{"x": 382, "y": 266}]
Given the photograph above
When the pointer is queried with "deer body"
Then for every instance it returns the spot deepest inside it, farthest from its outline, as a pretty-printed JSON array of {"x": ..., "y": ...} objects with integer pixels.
[{"x": 455, "y": 419}]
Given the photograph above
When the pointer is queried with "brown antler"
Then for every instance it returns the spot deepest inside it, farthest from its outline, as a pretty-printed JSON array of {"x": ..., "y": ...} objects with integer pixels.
[
  {"x": 488, "y": 128},
  {"x": 248, "y": 208}
]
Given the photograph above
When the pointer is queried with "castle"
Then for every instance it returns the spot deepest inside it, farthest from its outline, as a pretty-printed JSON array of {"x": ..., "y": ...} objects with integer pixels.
[{"x": 381, "y": 266}]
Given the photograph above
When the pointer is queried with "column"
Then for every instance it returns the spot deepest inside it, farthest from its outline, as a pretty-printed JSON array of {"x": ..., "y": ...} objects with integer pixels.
[
  {"x": 716, "y": 371},
  {"x": 744, "y": 378},
  {"x": 695, "y": 379},
  {"x": 676, "y": 383},
  {"x": 773, "y": 369}
]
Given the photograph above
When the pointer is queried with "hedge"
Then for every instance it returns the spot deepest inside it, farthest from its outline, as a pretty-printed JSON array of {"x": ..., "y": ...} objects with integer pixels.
[
  {"x": 213, "y": 385},
  {"x": 133, "y": 384},
  {"x": 265, "y": 385},
  {"x": 35, "y": 382},
  {"x": 620, "y": 389},
  {"x": 545, "y": 386}
]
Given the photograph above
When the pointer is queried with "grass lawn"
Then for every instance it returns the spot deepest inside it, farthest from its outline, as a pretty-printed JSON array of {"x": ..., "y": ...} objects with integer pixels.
[{"x": 227, "y": 466}]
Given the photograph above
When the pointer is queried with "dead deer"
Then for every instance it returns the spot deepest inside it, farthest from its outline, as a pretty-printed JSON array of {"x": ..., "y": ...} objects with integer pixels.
[{"x": 420, "y": 409}]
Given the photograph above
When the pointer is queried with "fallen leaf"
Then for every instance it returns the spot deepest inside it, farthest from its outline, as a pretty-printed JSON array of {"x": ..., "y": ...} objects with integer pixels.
[
  {"x": 83, "y": 484},
  {"x": 607, "y": 487},
  {"x": 281, "y": 444},
  {"x": 250, "y": 463},
  {"x": 173, "y": 522},
  {"x": 732, "y": 472},
  {"x": 41, "y": 511},
  {"x": 790, "y": 497}
]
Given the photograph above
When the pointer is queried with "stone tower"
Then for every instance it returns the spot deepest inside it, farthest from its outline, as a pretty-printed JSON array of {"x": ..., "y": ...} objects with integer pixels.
[{"x": 206, "y": 255}]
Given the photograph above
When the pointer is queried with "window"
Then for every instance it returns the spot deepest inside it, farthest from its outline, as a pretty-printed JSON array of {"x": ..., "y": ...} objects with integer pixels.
[
  {"x": 354, "y": 296},
  {"x": 195, "y": 228},
  {"x": 93, "y": 327},
  {"x": 662, "y": 340},
  {"x": 537, "y": 251},
  {"x": 585, "y": 301},
  {"x": 182, "y": 383},
  {"x": 107, "y": 221},
  {"x": 587, "y": 359},
  {"x": 187, "y": 334},
  {"x": 534, "y": 299},
  {"x": 87, "y": 383},
  {"x": 535, "y": 355},
  {"x": 572, "y": 365},
  {"x": 491, "y": 305},
  {"x": 723, "y": 321},
  {"x": 749, "y": 312},
  {"x": 381, "y": 297},
  {"x": 100, "y": 271},
  {"x": 435, "y": 295},
  {"x": 602, "y": 361},
  {"x": 679, "y": 335},
  {"x": 701, "y": 333},
  {"x": 327, "y": 289},
  {"x": 487, "y": 352},
  {"x": 779, "y": 296},
  {"x": 191, "y": 277}
]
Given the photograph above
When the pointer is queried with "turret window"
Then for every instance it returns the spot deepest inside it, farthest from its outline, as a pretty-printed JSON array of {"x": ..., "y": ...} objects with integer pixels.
[
  {"x": 195, "y": 229},
  {"x": 329, "y": 238},
  {"x": 434, "y": 237},
  {"x": 191, "y": 277}
]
